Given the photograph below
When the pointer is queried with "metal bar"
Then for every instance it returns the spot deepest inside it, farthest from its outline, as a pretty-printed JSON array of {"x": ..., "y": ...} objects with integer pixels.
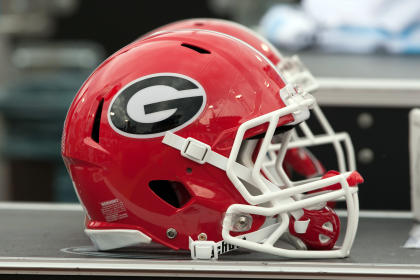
[
  {"x": 368, "y": 92},
  {"x": 179, "y": 268}
]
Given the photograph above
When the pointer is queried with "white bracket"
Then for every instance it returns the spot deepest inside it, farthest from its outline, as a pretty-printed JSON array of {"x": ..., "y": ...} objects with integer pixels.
[
  {"x": 195, "y": 150},
  {"x": 203, "y": 250}
]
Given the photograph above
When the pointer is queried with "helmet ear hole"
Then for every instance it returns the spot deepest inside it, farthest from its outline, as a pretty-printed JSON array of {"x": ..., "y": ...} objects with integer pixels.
[{"x": 172, "y": 192}]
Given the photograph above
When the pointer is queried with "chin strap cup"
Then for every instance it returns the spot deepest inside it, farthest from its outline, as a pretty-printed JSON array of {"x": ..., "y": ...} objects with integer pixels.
[{"x": 203, "y": 250}]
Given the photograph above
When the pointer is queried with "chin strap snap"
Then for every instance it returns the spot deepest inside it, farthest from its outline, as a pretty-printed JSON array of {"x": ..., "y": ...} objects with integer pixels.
[{"x": 203, "y": 250}]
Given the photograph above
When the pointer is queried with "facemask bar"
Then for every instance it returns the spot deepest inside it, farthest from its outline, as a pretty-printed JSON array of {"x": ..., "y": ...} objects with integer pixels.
[
  {"x": 274, "y": 167},
  {"x": 282, "y": 202},
  {"x": 297, "y": 73},
  {"x": 330, "y": 136}
]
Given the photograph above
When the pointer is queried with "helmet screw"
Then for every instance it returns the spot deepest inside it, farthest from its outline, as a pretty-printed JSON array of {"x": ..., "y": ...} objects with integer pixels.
[
  {"x": 242, "y": 223},
  {"x": 202, "y": 237},
  {"x": 171, "y": 233}
]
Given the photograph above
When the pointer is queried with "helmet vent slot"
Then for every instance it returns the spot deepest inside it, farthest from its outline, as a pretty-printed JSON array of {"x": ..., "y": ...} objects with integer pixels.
[
  {"x": 97, "y": 122},
  {"x": 279, "y": 130},
  {"x": 195, "y": 48},
  {"x": 173, "y": 193}
]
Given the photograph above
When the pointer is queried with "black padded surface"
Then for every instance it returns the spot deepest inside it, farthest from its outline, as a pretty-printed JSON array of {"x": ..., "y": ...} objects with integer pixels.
[{"x": 43, "y": 233}]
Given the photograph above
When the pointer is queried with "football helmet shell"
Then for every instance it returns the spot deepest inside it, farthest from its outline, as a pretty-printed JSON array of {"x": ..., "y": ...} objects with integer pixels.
[{"x": 171, "y": 112}]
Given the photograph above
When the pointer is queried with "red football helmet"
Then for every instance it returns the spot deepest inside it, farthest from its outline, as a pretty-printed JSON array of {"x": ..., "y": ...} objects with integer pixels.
[
  {"x": 153, "y": 142},
  {"x": 298, "y": 159}
]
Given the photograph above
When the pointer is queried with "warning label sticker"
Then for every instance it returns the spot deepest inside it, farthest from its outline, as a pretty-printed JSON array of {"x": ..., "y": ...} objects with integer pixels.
[{"x": 113, "y": 210}]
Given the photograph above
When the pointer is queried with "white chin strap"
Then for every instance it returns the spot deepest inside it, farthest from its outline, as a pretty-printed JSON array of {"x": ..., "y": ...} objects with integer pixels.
[{"x": 201, "y": 153}]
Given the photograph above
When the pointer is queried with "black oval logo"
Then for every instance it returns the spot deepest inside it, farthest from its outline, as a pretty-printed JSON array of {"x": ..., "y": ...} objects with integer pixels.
[{"x": 153, "y": 104}]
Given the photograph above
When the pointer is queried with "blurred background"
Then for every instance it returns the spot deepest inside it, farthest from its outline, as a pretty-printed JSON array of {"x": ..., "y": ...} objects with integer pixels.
[{"x": 365, "y": 54}]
